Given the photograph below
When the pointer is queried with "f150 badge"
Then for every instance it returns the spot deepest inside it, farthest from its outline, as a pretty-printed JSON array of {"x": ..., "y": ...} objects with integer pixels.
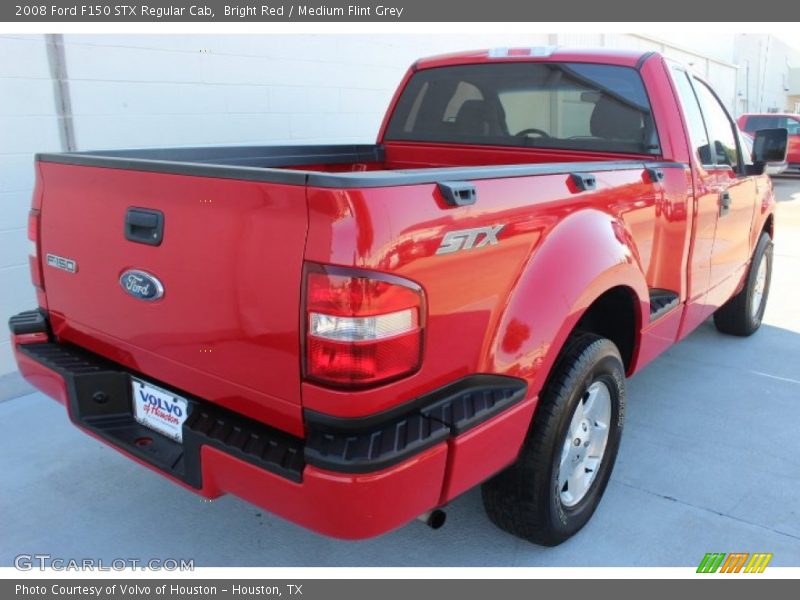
[
  {"x": 59, "y": 262},
  {"x": 467, "y": 239},
  {"x": 141, "y": 285}
]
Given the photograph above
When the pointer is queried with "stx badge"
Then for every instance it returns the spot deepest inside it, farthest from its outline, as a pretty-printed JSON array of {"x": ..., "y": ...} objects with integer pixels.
[{"x": 465, "y": 239}]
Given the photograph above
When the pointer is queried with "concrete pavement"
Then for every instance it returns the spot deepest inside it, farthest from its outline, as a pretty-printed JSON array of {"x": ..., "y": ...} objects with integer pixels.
[{"x": 708, "y": 463}]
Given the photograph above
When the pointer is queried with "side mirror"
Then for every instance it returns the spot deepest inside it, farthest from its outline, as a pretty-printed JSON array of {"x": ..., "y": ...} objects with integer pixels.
[{"x": 770, "y": 145}]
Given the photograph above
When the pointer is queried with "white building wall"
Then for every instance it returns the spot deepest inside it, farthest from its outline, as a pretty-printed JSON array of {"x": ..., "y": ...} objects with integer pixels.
[
  {"x": 28, "y": 124},
  {"x": 148, "y": 90},
  {"x": 712, "y": 61},
  {"x": 184, "y": 90},
  {"x": 764, "y": 81}
]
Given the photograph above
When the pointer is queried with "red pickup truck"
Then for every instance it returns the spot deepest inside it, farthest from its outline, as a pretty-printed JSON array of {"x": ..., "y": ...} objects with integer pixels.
[{"x": 352, "y": 336}]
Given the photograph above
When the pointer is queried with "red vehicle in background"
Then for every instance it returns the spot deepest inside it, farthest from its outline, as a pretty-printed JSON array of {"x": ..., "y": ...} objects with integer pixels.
[
  {"x": 752, "y": 122},
  {"x": 353, "y": 336}
]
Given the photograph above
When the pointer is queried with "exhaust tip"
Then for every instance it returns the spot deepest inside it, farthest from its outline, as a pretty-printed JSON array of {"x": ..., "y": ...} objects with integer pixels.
[{"x": 435, "y": 519}]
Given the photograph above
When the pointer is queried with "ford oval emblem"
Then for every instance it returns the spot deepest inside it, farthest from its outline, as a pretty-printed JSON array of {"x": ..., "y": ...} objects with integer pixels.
[{"x": 141, "y": 285}]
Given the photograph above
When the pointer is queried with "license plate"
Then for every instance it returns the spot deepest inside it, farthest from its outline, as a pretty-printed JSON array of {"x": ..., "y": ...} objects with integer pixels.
[{"x": 158, "y": 409}]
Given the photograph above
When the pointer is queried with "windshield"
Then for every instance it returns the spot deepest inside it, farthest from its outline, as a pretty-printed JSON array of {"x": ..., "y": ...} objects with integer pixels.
[{"x": 572, "y": 106}]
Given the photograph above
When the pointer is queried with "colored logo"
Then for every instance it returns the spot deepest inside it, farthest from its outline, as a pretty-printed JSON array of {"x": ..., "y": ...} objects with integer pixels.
[{"x": 736, "y": 562}]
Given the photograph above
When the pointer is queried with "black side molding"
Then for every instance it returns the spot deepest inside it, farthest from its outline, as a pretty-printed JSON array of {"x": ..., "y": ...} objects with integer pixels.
[{"x": 358, "y": 445}]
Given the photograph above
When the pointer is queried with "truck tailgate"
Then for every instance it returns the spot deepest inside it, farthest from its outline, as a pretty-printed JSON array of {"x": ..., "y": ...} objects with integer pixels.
[{"x": 230, "y": 263}]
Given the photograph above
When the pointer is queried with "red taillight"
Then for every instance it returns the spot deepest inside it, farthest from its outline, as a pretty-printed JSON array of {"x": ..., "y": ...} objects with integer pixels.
[
  {"x": 361, "y": 328},
  {"x": 34, "y": 259}
]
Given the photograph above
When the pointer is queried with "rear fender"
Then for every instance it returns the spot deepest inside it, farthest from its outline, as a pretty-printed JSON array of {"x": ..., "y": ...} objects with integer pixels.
[{"x": 587, "y": 254}]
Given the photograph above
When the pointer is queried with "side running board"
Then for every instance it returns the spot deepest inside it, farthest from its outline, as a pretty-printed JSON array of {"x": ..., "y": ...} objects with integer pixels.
[{"x": 661, "y": 302}]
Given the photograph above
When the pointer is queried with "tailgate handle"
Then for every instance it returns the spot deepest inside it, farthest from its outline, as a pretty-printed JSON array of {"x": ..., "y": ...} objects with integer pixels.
[
  {"x": 144, "y": 226},
  {"x": 458, "y": 193}
]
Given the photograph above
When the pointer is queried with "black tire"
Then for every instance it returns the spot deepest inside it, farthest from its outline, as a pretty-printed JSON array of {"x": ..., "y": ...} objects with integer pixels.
[
  {"x": 736, "y": 316},
  {"x": 526, "y": 499}
]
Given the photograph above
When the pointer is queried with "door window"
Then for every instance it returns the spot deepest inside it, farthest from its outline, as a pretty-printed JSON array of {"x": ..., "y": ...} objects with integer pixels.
[
  {"x": 721, "y": 131},
  {"x": 698, "y": 135}
]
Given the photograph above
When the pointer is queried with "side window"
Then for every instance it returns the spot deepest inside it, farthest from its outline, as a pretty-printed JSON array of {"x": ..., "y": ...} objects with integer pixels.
[
  {"x": 720, "y": 128},
  {"x": 694, "y": 118}
]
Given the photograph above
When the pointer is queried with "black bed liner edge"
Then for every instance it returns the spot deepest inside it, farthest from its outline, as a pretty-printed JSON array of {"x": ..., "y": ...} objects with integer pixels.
[{"x": 237, "y": 162}]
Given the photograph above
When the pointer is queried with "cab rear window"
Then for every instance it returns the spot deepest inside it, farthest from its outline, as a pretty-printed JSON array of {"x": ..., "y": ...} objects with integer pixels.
[{"x": 551, "y": 105}]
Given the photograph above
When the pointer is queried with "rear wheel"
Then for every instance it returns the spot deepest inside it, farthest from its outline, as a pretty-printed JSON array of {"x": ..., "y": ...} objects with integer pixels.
[
  {"x": 555, "y": 485},
  {"x": 743, "y": 313}
]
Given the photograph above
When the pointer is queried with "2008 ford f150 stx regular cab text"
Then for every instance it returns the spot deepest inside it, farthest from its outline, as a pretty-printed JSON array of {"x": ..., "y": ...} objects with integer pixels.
[{"x": 352, "y": 336}]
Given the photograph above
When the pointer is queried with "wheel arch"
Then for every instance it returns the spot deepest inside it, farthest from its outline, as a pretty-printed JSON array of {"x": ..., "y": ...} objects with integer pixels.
[
  {"x": 589, "y": 267},
  {"x": 614, "y": 315}
]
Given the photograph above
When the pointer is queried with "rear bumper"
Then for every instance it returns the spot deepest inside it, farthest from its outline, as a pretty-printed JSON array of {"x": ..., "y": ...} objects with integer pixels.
[{"x": 349, "y": 478}]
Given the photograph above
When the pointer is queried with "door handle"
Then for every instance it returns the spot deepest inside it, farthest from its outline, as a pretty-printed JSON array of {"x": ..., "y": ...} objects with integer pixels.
[{"x": 724, "y": 203}]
